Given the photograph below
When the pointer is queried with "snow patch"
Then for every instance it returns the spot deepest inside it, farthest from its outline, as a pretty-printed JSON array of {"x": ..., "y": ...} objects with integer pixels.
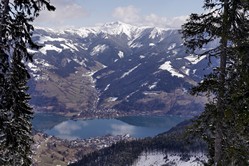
[
  {"x": 195, "y": 159},
  {"x": 82, "y": 32},
  {"x": 42, "y": 62},
  {"x": 185, "y": 70},
  {"x": 121, "y": 54},
  {"x": 83, "y": 46},
  {"x": 82, "y": 63},
  {"x": 127, "y": 97},
  {"x": 40, "y": 77},
  {"x": 160, "y": 158},
  {"x": 150, "y": 93},
  {"x": 172, "y": 46},
  {"x": 136, "y": 45},
  {"x": 65, "y": 46},
  {"x": 167, "y": 66},
  {"x": 99, "y": 49},
  {"x": 194, "y": 59},
  {"x": 112, "y": 99},
  {"x": 131, "y": 70},
  {"x": 152, "y": 44},
  {"x": 69, "y": 46},
  {"x": 174, "y": 52},
  {"x": 107, "y": 87},
  {"x": 33, "y": 67},
  {"x": 153, "y": 85},
  {"x": 147, "y": 159},
  {"x": 156, "y": 32},
  {"x": 141, "y": 56},
  {"x": 47, "y": 47},
  {"x": 44, "y": 39},
  {"x": 31, "y": 51}
]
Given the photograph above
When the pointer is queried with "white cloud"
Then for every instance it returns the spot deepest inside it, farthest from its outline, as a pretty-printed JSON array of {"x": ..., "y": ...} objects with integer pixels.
[
  {"x": 132, "y": 15},
  {"x": 127, "y": 14},
  {"x": 72, "y": 13},
  {"x": 122, "y": 129},
  {"x": 66, "y": 13},
  {"x": 67, "y": 127},
  {"x": 164, "y": 22}
]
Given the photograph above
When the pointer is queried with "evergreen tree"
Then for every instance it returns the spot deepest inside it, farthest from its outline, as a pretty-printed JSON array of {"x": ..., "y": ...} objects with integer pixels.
[
  {"x": 224, "y": 123},
  {"x": 16, "y": 29}
]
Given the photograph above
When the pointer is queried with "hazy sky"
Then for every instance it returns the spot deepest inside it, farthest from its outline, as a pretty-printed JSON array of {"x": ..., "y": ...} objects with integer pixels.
[{"x": 80, "y": 13}]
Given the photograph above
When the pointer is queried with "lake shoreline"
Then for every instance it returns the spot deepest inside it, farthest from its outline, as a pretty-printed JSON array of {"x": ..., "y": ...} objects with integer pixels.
[
  {"x": 111, "y": 114},
  {"x": 136, "y": 126}
]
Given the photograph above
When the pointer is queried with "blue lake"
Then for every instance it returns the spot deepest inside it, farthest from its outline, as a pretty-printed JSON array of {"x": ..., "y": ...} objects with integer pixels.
[{"x": 135, "y": 126}]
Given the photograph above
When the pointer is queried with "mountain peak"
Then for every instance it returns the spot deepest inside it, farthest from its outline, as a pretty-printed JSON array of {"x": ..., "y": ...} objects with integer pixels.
[
  {"x": 118, "y": 27},
  {"x": 116, "y": 23}
]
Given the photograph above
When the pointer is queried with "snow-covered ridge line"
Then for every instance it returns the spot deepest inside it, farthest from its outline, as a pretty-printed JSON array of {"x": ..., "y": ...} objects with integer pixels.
[{"x": 112, "y": 28}]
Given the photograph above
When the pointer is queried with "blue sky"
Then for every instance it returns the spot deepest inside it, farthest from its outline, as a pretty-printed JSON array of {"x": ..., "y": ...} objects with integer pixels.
[{"x": 81, "y": 13}]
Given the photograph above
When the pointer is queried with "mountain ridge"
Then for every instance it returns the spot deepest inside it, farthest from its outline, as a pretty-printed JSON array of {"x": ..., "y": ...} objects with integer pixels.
[{"x": 115, "y": 66}]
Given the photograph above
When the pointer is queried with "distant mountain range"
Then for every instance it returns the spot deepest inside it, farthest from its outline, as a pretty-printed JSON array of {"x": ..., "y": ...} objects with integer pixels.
[{"x": 115, "y": 66}]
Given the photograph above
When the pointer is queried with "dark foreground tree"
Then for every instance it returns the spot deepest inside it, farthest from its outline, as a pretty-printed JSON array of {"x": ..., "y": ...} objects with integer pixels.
[
  {"x": 224, "y": 123},
  {"x": 16, "y": 29}
]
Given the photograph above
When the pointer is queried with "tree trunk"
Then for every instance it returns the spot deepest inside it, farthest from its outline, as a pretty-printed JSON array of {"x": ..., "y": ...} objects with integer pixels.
[
  {"x": 222, "y": 81},
  {"x": 3, "y": 13}
]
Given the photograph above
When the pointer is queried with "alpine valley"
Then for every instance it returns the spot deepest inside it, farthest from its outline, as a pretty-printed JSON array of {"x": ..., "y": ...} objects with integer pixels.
[{"x": 115, "y": 69}]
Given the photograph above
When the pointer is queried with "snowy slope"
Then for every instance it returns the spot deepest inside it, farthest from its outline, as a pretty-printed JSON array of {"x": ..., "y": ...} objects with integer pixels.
[{"x": 170, "y": 159}]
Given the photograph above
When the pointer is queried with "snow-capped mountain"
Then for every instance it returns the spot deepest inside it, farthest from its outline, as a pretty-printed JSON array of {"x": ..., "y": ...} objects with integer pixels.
[{"x": 115, "y": 66}]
